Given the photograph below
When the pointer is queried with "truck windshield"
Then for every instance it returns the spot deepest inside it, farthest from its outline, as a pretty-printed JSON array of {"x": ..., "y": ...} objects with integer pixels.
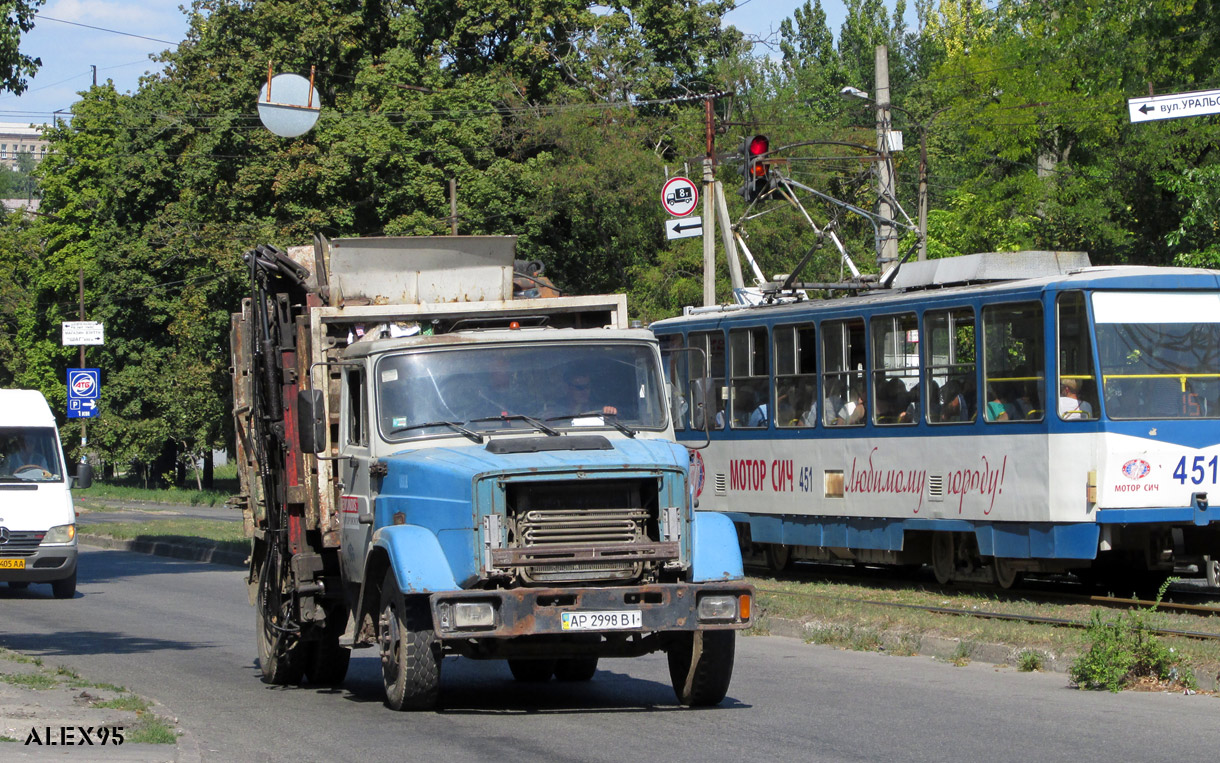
[
  {"x": 1159, "y": 353},
  {"x": 29, "y": 454},
  {"x": 516, "y": 387}
]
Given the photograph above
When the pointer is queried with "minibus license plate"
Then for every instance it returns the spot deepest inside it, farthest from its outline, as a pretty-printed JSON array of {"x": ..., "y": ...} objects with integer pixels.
[
  {"x": 12, "y": 564},
  {"x": 601, "y": 621}
]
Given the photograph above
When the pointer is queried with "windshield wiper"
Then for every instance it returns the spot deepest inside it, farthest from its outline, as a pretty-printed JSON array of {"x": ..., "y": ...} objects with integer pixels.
[
  {"x": 454, "y": 425},
  {"x": 610, "y": 419},
  {"x": 520, "y": 417}
]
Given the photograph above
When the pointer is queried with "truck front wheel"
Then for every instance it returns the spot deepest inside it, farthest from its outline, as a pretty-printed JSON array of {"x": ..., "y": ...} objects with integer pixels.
[
  {"x": 701, "y": 666},
  {"x": 410, "y": 651}
]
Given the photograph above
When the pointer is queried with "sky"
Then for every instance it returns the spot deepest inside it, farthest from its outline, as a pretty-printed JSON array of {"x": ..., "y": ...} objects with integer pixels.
[{"x": 69, "y": 50}]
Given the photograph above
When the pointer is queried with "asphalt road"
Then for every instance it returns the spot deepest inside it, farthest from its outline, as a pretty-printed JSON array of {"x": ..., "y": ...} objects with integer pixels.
[{"x": 182, "y": 632}]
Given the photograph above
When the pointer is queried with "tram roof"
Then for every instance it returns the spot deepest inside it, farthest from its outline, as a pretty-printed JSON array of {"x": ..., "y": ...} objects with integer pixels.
[{"x": 1120, "y": 277}]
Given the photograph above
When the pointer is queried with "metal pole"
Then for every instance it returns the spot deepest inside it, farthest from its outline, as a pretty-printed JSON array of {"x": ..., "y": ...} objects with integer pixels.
[
  {"x": 923, "y": 193},
  {"x": 84, "y": 429},
  {"x": 887, "y": 241},
  {"x": 709, "y": 237},
  {"x": 709, "y": 210}
]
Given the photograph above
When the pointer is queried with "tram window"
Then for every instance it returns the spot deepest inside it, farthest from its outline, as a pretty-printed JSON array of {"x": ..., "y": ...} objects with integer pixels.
[
  {"x": 843, "y": 345},
  {"x": 677, "y": 375},
  {"x": 895, "y": 369},
  {"x": 949, "y": 361},
  {"x": 796, "y": 380},
  {"x": 1077, "y": 383},
  {"x": 710, "y": 401},
  {"x": 1157, "y": 354},
  {"x": 1013, "y": 362},
  {"x": 748, "y": 402}
]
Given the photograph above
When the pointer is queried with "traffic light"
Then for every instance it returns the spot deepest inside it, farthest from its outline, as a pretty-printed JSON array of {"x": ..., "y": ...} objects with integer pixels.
[{"x": 756, "y": 178}]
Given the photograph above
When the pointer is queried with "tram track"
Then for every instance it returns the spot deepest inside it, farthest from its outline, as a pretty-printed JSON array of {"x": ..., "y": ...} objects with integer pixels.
[
  {"x": 1039, "y": 592},
  {"x": 1009, "y": 616}
]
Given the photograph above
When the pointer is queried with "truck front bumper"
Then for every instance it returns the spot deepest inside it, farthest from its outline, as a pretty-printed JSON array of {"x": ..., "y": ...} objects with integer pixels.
[{"x": 539, "y": 611}]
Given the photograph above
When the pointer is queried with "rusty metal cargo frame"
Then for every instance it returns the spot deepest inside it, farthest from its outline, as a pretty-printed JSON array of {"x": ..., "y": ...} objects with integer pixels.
[{"x": 327, "y": 518}]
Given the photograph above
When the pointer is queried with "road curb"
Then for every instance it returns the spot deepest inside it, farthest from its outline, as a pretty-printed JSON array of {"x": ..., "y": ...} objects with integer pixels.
[{"x": 200, "y": 553}]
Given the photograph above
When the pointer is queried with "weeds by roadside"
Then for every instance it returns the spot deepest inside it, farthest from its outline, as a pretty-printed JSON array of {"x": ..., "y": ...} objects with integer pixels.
[{"x": 1123, "y": 650}]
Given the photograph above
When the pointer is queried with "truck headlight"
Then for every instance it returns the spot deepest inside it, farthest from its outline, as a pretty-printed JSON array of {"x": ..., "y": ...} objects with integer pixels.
[
  {"x": 60, "y": 534},
  {"x": 474, "y": 614},
  {"x": 718, "y": 607}
]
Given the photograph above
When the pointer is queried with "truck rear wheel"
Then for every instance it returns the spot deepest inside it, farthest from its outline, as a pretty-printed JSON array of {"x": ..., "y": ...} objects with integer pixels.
[
  {"x": 701, "y": 666},
  {"x": 410, "y": 651},
  {"x": 280, "y": 655},
  {"x": 327, "y": 662},
  {"x": 576, "y": 669},
  {"x": 532, "y": 671}
]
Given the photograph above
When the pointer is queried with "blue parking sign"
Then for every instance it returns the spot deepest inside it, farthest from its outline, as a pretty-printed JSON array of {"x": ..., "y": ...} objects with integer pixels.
[{"x": 84, "y": 385}]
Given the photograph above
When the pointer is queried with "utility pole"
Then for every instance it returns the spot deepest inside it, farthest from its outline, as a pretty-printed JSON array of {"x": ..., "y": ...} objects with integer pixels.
[
  {"x": 453, "y": 206},
  {"x": 94, "y": 68},
  {"x": 709, "y": 210},
  {"x": 887, "y": 239},
  {"x": 84, "y": 427},
  {"x": 923, "y": 193}
]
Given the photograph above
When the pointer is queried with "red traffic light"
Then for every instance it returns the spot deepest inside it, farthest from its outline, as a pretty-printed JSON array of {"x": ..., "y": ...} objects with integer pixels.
[{"x": 758, "y": 146}]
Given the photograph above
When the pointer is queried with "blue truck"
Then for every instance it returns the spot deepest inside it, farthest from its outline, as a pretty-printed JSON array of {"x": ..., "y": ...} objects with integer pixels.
[{"x": 436, "y": 467}]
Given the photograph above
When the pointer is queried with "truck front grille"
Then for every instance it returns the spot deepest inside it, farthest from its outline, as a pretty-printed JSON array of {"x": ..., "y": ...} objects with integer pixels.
[{"x": 582, "y": 531}]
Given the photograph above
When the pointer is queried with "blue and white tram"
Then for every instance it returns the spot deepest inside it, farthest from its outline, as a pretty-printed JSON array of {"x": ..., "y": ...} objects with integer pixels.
[{"x": 1053, "y": 423}]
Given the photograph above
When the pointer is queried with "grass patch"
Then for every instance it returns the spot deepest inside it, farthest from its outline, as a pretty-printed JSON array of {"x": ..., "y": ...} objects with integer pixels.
[
  {"x": 962, "y": 654},
  {"x": 18, "y": 657},
  {"x": 177, "y": 495},
  {"x": 150, "y": 729},
  {"x": 845, "y": 614},
  {"x": 127, "y": 702},
  {"x": 1030, "y": 661},
  {"x": 29, "y": 680},
  {"x": 131, "y": 488},
  {"x": 3, "y": 738},
  {"x": 226, "y": 535}
]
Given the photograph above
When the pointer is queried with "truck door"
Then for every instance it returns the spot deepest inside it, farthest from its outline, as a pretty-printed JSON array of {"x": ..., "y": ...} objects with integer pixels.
[{"x": 355, "y": 498}]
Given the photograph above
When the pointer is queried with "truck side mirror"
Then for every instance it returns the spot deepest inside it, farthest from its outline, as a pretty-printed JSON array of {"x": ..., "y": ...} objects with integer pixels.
[
  {"x": 311, "y": 420},
  {"x": 84, "y": 476}
]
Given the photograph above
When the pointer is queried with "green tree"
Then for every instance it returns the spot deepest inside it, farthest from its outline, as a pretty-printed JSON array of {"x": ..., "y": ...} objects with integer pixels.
[{"x": 15, "y": 66}]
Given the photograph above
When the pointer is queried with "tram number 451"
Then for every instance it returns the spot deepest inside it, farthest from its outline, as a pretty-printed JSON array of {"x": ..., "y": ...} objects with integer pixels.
[{"x": 1199, "y": 469}]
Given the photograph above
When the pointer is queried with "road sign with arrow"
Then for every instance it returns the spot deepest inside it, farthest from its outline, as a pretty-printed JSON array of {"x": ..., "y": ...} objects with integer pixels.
[
  {"x": 684, "y": 227},
  {"x": 1175, "y": 106}
]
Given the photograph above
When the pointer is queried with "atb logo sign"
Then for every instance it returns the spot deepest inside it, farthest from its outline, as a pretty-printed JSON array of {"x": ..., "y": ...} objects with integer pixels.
[{"x": 82, "y": 384}]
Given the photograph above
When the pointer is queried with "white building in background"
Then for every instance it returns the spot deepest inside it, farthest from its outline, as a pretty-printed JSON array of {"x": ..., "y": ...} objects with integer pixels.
[{"x": 18, "y": 138}]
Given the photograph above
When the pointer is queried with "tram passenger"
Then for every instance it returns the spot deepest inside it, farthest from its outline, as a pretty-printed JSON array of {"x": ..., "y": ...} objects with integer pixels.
[
  {"x": 996, "y": 409},
  {"x": 1027, "y": 401},
  {"x": 854, "y": 409},
  {"x": 834, "y": 400},
  {"x": 953, "y": 404},
  {"x": 1070, "y": 404}
]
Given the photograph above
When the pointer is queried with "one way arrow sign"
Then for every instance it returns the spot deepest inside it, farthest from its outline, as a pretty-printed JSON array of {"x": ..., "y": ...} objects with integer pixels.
[{"x": 684, "y": 227}]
